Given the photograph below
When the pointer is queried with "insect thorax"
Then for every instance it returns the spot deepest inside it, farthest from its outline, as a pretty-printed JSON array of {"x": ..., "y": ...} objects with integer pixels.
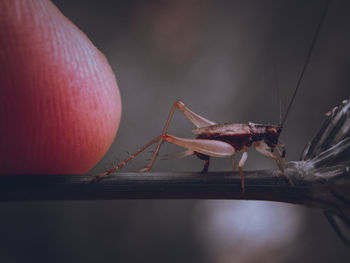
[{"x": 267, "y": 133}]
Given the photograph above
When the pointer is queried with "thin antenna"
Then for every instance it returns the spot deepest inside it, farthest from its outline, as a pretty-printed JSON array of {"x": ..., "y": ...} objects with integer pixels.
[
  {"x": 306, "y": 61},
  {"x": 275, "y": 74}
]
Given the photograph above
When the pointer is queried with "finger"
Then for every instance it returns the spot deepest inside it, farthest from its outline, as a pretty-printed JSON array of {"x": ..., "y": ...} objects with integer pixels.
[{"x": 59, "y": 101}]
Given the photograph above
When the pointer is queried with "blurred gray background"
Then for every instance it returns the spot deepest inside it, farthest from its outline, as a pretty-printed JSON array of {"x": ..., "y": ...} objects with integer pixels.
[{"x": 225, "y": 60}]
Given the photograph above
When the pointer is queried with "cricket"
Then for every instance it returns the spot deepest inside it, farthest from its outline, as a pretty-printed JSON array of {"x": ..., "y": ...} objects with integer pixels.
[
  {"x": 218, "y": 140},
  {"x": 227, "y": 139}
]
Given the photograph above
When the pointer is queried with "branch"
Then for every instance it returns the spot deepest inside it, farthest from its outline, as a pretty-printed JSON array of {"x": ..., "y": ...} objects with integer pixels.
[{"x": 260, "y": 185}]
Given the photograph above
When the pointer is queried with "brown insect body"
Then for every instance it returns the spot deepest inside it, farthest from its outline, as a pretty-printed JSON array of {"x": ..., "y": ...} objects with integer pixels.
[{"x": 241, "y": 135}]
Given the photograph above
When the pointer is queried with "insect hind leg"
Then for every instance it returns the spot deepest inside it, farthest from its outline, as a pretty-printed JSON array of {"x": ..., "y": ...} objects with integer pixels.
[
  {"x": 203, "y": 148},
  {"x": 132, "y": 156},
  {"x": 196, "y": 119}
]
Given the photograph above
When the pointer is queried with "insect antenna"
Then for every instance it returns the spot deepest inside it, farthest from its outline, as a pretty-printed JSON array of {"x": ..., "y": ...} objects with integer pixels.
[
  {"x": 318, "y": 29},
  {"x": 275, "y": 74}
]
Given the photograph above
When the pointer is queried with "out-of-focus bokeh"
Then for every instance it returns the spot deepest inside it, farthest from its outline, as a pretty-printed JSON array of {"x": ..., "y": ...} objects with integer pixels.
[{"x": 225, "y": 60}]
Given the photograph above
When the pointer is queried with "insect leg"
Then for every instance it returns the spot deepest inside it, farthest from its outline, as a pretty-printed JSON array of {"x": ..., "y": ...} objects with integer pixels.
[
  {"x": 212, "y": 148},
  {"x": 196, "y": 119},
  {"x": 281, "y": 150},
  {"x": 233, "y": 163},
  {"x": 132, "y": 156},
  {"x": 206, "y": 165},
  {"x": 240, "y": 167},
  {"x": 203, "y": 148},
  {"x": 178, "y": 155},
  {"x": 264, "y": 149}
]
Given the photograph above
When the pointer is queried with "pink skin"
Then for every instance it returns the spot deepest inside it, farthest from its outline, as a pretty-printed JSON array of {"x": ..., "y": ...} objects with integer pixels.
[{"x": 60, "y": 105}]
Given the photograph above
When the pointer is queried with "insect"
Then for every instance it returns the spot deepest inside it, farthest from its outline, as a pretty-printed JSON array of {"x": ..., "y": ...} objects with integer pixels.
[
  {"x": 225, "y": 140},
  {"x": 218, "y": 140}
]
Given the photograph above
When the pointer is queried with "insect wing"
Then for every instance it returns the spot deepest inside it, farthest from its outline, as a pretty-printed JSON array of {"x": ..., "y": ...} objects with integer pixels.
[{"x": 231, "y": 129}]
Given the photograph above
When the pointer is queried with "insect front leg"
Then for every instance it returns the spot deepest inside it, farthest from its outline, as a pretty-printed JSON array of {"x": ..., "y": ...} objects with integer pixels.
[
  {"x": 281, "y": 150},
  {"x": 264, "y": 149},
  {"x": 196, "y": 119}
]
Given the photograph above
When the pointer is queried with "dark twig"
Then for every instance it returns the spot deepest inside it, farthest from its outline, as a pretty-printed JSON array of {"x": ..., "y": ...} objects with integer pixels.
[{"x": 261, "y": 185}]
